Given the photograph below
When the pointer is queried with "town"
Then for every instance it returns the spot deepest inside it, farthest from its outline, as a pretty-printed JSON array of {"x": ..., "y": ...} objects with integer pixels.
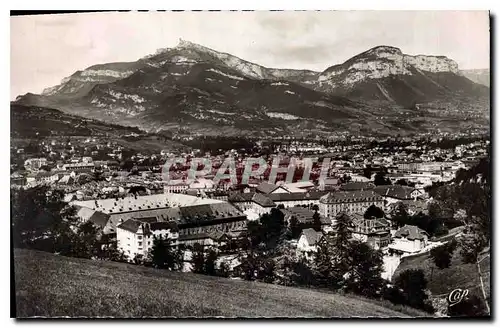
[{"x": 127, "y": 197}]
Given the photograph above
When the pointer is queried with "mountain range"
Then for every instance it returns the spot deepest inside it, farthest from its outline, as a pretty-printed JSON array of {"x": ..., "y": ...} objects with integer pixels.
[
  {"x": 198, "y": 89},
  {"x": 481, "y": 76}
]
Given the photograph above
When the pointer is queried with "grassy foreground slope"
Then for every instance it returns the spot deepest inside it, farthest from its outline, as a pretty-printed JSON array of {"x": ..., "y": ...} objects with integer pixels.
[{"x": 52, "y": 285}]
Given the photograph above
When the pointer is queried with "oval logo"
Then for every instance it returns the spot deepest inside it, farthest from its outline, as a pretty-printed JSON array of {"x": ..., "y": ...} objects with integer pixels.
[{"x": 457, "y": 295}]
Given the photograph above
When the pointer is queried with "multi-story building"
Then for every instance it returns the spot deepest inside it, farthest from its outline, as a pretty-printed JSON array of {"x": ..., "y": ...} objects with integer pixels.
[
  {"x": 173, "y": 186},
  {"x": 135, "y": 218},
  {"x": 120, "y": 209},
  {"x": 395, "y": 193},
  {"x": 376, "y": 231},
  {"x": 409, "y": 239},
  {"x": 135, "y": 237},
  {"x": 35, "y": 163},
  {"x": 305, "y": 218},
  {"x": 261, "y": 203},
  {"x": 348, "y": 202},
  {"x": 47, "y": 177},
  {"x": 308, "y": 241},
  {"x": 309, "y": 198},
  {"x": 80, "y": 167}
]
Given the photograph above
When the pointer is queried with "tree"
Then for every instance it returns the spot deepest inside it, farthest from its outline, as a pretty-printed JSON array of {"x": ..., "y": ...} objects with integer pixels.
[
  {"x": 268, "y": 232},
  {"x": 198, "y": 259},
  {"x": 209, "y": 266},
  {"x": 324, "y": 270},
  {"x": 295, "y": 229},
  {"x": 265, "y": 271},
  {"x": 471, "y": 306},
  {"x": 401, "y": 182},
  {"x": 440, "y": 210},
  {"x": 471, "y": 245},
  {"x": 303, "y": 273},
  {"x": 342, "y": 241},
  {"x": 160, "y": 253},
  {"x": 223, "y": 270},
  {"x": 401, "y": 216},
  {"x": 367, "y": 172},
  {"x": 442, "y": 255},
  {"x": 332, "y": 258},
  {"x": 41, "y": 220},
  {"x": 163, "y": 254},
  {"x": 296, "y": 271},
  {"x": 127, "y": 165},
  {"x": 366, "y": 266},
  {"x": 413, "y": 285},
  {"x": 380, "y": 179},
  {"x": 98, "y": 174},
  {"x": 85, "y": 243},
  {"x": 178, "y": 258},
  {"x": 316, "y": 221},
  {"x": 393, "y": 294},
  {"x": 433, "y": 226},
  {"x": 373, "y": 212},
  {"x": 404, "y": 182},
  {"x": 249, "y": 266}
]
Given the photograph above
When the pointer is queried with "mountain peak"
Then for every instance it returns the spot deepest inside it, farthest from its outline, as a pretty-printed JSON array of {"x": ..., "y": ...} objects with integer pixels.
[
  {"x": 183, "y": 44},
  {"x": 384, "y": 49}
]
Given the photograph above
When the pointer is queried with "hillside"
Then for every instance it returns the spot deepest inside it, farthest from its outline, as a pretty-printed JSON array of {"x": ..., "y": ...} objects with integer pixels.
[
  {"x": 211, "y": 92},
  {"x": 29, "y": 122},
  {"x": 52, "y": 285},
  {"x": 480, "y": 76},
  {"x": 458, "y": 275}
]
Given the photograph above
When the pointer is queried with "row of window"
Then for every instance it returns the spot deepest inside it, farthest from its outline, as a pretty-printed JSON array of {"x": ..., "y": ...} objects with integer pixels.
[{"x": 224, "y": 227}]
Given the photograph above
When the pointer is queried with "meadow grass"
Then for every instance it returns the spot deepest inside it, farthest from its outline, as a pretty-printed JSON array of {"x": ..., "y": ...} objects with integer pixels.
[
  {"x": 49, "y": 285},
  {"x": 458, "y": 275}
]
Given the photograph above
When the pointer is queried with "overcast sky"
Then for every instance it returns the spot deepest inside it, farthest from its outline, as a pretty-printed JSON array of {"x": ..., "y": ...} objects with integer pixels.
[{"x": 47, "y": 48}]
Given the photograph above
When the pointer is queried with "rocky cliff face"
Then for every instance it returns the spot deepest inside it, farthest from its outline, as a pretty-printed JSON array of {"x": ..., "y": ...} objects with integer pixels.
[{"x": 382, "y": 62}]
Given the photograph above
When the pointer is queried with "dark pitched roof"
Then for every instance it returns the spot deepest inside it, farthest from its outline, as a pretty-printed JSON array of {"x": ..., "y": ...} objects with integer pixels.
[
  {"x": 263, "y": 200},
  {"x": 170, "y": 225},
  {"x": 411, "y": 232},
  {"x": 100, "y": 219},
  {"x": 194, "y": 236},
  {"x": 395, "y": 191},
  {"x": 266, "y": 188},
  {"x": 279, "y": 197},
  {"x": 43, "y": 174},
  {"x": 133, "y": 225},
  {"x": 148, "y": 219},
  {"x": 357, "y": 186},
  {"x": 350, "y": 196},
  {"x": 130, "y": 225},
  {"x": 205, "y": 212},
  {"x": 236, "y": 197},
  {"x": 310, "y": 195}
]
